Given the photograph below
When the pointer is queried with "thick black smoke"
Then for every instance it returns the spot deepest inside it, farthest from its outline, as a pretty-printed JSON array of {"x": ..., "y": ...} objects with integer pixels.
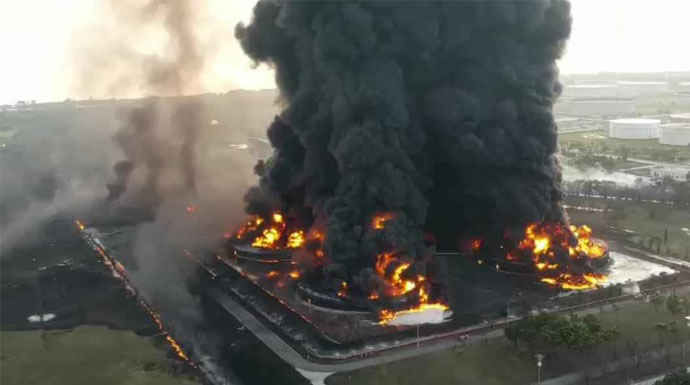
[{"x": 437, "y": 111}]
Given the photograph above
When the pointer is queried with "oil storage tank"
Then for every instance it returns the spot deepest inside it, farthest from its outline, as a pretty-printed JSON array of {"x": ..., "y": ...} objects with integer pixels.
[
  {"x": 634, "y": 128},
  {"x": 675, "y": 134}
]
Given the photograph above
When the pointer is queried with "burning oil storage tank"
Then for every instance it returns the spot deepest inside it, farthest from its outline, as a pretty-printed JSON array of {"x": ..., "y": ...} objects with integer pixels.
[
  {"x": 634, "y": 128},
  {"x": 675, "y": 134}
]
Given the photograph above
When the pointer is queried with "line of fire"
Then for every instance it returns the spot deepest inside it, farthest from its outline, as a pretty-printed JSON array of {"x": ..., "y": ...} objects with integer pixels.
[{"x": 119, "y": 271}]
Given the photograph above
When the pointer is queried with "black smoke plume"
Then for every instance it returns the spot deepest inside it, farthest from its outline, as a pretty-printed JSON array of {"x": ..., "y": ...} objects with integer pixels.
[{"x": 439, "y": 112}]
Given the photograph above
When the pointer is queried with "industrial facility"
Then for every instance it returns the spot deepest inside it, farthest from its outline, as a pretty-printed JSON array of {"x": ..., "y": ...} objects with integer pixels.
[
  {"x": 609, "y": 107},
  {"x": 680, "y": 118},
  {"x": 634, "y": 128},
  {"x": 579, "y": 91},
  {"x": 679, "y": 173}
]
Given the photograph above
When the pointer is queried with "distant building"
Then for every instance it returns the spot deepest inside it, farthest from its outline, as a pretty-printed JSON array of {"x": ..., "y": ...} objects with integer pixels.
[
  {"x": 631, "y": 288},
  {"x": 596, "y": 107},
  {"x": 675, "y": 134},
  {"x": 683, "y": 87},
  {"x": 634, "y": 89},
  {"x": 634, "y": 128},
  {"x": 679, "y": 173},
  {"x": 566, "y": 124},
  {"x": 589, "y": 91},
  {"x": 680, "y": 118}
]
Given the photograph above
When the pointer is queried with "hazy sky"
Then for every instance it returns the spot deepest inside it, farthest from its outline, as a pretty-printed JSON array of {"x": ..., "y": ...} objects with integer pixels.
[{"x": 39, "y": 38}]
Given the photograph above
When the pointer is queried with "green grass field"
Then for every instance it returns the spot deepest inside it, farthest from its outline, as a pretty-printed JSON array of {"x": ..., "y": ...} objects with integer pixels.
[
  {"x": 599, "y": 142},
  {"x": 498, "y": 362},
  {"x": 85, "y": 356},
  {"x": 476, "y": 365}
]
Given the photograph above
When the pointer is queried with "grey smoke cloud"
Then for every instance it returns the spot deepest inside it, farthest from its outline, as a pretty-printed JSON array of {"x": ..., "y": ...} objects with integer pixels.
[{"x": 149, "y": 48}]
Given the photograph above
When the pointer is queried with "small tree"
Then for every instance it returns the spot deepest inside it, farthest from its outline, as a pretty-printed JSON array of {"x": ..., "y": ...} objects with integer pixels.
[
  {"x": 657, "y": 301},
  {"x": 674, "y": 304},
  {"x": 547, "y": 332}
]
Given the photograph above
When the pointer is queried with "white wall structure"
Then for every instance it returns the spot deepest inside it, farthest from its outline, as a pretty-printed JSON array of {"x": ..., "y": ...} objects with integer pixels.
[
  {"x": 679, "y": 174},
  {"x": 634, "y": 128},
  {"x": 588, "y": 91},
  {"x": 681, "y": 117},
  {"x": 683, "y": 87},
  {"x": 595, "y": 107},
  {"x": 675, "y": 134},
  {"x": 642, "y": 88}
]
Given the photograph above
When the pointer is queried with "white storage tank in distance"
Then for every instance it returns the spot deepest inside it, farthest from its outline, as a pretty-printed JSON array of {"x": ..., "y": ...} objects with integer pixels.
[{"x": 634, "y": 128}]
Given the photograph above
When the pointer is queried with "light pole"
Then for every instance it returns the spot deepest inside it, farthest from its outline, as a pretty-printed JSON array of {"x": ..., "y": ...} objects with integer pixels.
[
  {"x": 417, "y": 336},
  {"x": 687, "y": 323},
  {"x": 539, "y": 358}
]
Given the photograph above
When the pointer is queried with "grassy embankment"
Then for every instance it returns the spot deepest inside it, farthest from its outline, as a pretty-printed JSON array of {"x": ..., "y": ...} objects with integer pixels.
[{"x": 86, "y": 355}]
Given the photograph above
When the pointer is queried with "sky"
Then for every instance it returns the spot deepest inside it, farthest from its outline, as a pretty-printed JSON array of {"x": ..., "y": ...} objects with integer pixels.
[{"x": 39, "y": 47}]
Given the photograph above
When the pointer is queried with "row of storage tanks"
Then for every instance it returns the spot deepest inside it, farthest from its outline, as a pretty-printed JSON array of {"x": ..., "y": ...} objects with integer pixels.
[{"x": 673, "y": 134}]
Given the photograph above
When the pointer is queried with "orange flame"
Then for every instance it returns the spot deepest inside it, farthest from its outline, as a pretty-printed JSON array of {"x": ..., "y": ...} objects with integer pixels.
[
  {"x": 386, "y": 315},
  {"x": 543, "y": 241},
  {"x": 379, "y": 221},
  {"x": 294, "y": 274},
  {"x": 576, "y": 282},
  {"x": 118, "y": 270},
  {"x": 272, "y": 234},
  {"x": 272, "y": 274},
  {"x": 593, "y": 248},
  {"x": 267, "y": 239},
  {"x": 343, "y": 290},
  {"x": 251, "y": 226},
  {"x": 398, "y": 286},
  {"x": 295, "y": 240}
]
